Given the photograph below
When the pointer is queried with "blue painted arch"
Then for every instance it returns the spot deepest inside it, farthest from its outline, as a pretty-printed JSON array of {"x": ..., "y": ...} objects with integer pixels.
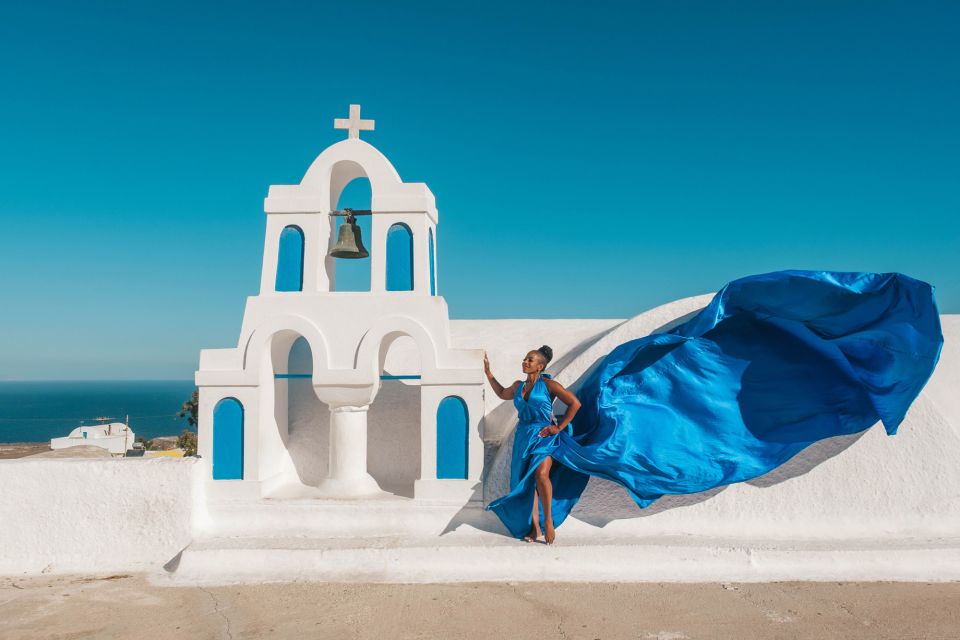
[
  {"x": 399, "y": 258},
  {"x": 300, "y": 359},
  {"x": 228, "y": 440},
  {"x": 452, "y": 433},
  {"x": 290, "y": 260}
]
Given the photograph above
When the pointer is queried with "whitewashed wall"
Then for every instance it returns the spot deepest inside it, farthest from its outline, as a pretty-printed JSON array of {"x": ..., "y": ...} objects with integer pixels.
[
  {"x": 393, "y": 444},
  {"x": 106, "y": 515},
  {"x": 82, "y": 515},
  {"x": 508, "y": 341}
]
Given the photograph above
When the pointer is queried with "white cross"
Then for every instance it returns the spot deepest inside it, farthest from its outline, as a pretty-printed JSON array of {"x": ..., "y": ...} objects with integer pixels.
[{"x": 354, "y": 125}]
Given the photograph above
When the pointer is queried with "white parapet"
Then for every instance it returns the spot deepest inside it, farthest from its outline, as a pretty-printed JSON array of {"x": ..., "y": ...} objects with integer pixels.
[{"x": 93, "y": 515}]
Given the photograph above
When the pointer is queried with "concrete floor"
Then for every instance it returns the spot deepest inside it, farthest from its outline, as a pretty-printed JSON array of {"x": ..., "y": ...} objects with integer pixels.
[{"x": 125, "y": 606}]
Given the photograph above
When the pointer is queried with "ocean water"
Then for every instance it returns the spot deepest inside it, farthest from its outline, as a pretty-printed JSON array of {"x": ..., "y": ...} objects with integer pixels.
[{"x": 39, "y": 411}]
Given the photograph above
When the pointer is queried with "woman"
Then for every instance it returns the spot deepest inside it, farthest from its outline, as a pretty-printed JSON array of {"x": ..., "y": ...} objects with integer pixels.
[
  {"x": 774, "y": 363},
  {"x": 536, "y": 433}
]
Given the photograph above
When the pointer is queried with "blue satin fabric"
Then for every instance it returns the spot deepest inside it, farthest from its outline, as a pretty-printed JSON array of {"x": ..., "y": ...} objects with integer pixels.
[
  {"x": 532, "y": 415},
  {"x": 773, "y": 364}
]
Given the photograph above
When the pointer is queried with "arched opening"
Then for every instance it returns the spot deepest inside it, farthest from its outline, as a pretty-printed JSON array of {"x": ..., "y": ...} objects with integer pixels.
[
  {"x": 302, "y": 420},
  {"x": 433, "y": 269},
  {"x": 290, "y": 260},
  {"x": 354, "y": 274},
  {"x": 228, "y": 440},
  {"x": 452, "y": 446},
  {"x": 399, "y": 258},
  {"x": 393, "y": 420}
]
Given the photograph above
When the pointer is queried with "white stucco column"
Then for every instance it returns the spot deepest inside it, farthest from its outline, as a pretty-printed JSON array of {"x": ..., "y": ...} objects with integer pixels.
[
  {"x": 378, "y": 253},
  {"x": 421, "y": 257},
  {"x": 347, "y": 476}
]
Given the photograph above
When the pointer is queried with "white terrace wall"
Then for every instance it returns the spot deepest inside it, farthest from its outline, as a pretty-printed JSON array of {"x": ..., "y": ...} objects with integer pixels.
[
  {"x": 62, "y": 515},
  {"x": 100, "y": 515}
]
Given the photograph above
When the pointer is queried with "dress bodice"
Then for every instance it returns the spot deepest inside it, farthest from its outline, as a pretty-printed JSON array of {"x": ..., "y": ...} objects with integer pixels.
[{"x": 538, "y": 408}]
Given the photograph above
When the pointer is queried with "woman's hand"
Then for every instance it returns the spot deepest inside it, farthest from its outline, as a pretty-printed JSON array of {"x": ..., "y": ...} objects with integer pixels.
[
  {"x": 502, "y": 393},
  {"x": 549, "y": 430}
]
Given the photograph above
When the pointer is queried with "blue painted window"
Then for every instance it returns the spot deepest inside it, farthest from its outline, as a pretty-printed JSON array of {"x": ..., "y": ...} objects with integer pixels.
[
  {"x": 399, "y": 258},
  {"x": 290, "y": 260},
  {"x": 452, "y": 438},
  {"x": 228, "y": 440},
  {"x": 433, "y": 269}
]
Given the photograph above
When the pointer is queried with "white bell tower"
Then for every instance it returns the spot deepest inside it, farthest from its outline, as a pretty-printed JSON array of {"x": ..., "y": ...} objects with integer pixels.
[{"x": 349, "y": 334}]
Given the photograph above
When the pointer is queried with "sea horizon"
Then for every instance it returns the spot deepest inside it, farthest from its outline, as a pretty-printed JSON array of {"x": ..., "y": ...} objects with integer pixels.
[{"x": 38, "y": 410}]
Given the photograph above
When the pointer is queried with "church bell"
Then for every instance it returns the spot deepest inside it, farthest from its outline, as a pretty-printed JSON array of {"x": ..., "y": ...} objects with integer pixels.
[{"x": 349, "y": 243}]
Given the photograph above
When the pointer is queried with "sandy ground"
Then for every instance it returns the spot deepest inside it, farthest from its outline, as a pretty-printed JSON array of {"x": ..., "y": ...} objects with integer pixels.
[
  {"x": 11, "y": 450},
  {"x": 76, "y": 451},
  {"x": 126, "y": 606},
  {"x": 42, "y": 450}
]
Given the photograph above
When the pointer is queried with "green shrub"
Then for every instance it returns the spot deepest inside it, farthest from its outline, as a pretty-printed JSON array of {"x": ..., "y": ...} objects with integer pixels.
[{"x": 188, "y": 442}]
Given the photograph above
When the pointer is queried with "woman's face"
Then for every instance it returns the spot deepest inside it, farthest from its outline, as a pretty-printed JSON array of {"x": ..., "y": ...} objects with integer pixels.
[{"x": 532, "y": 363}]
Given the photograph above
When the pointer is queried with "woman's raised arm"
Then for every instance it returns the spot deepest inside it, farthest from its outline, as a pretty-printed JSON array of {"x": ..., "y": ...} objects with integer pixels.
[{"x": 504, "y": 393}]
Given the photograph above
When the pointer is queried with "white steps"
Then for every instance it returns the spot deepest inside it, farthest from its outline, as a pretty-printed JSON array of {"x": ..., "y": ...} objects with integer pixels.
[{"x": 471, "y": 555}]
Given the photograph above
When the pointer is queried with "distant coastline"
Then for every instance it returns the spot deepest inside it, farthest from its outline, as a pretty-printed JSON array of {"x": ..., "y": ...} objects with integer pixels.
[{"x": 34, "y": 411}]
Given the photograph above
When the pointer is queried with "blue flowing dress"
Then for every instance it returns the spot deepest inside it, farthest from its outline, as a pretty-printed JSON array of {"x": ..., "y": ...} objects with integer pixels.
[
  {"x": 533, "y": 414},
  {"x": 773, "y": 364}
]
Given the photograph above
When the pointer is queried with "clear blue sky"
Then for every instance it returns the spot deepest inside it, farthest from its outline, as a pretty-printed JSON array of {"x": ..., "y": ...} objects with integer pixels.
[{"x": 589, "y": 159}]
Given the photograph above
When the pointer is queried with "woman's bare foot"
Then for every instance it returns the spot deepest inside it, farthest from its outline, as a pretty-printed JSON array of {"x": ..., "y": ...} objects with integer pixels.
[
  {"x": 534, "y": 534},
  {"x": 550, "y": 533}
]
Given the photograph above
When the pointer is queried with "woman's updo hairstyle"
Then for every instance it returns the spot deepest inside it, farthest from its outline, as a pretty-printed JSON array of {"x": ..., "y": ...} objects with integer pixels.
[{"x": 547, "y": 353}]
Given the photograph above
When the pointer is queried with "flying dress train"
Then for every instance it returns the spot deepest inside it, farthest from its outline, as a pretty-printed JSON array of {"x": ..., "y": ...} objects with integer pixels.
[{"x": 773, "y": 364}]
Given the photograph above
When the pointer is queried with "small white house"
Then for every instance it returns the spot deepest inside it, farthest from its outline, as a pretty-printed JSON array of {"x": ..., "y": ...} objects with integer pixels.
[{"x": 115, "y": 437}]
